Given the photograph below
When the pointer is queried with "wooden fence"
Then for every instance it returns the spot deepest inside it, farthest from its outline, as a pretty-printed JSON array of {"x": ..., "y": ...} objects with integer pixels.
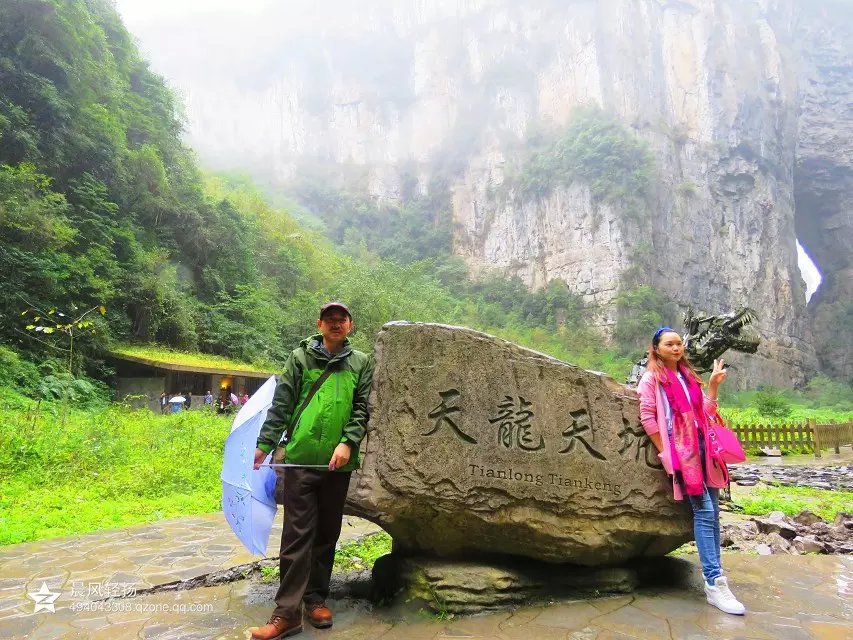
[
  {"x": 804, "y": 436},
  {"x": 831, "y": 436}
]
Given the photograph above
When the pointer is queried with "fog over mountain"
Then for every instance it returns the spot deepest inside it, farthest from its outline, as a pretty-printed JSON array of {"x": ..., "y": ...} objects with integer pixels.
[{"x": 742, "y": 106}]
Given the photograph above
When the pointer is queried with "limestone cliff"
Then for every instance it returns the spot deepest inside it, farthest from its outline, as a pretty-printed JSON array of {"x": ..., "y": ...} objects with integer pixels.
[
  {"x": 744, "y": 105},
  {"x": 823, "y": 177}
]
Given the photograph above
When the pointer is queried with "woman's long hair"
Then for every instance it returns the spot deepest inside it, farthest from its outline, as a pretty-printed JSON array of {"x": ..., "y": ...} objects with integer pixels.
[{"x": 657, "y": 367}]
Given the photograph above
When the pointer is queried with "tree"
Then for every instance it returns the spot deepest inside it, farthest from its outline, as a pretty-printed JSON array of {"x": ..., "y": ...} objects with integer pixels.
[
  {"x": 70, "y": 326},
  {"x": 772, "y": 403}
]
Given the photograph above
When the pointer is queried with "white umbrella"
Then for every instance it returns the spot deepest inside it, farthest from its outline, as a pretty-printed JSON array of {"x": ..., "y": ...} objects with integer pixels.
[{"x": 247, "y": 499}]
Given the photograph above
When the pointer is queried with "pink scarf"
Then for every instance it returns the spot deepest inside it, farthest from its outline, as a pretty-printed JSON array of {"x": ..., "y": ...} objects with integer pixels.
[{"x": 685, "y": 437}]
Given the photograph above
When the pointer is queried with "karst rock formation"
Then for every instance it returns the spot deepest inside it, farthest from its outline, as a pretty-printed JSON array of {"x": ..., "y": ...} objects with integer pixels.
[{"x": 745, "y": 106}]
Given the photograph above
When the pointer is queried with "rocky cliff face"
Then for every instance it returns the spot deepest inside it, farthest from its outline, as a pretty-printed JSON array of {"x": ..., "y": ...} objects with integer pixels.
[
  {"x": 738, "y": 100},
  {"x": 823, "y": 177}
]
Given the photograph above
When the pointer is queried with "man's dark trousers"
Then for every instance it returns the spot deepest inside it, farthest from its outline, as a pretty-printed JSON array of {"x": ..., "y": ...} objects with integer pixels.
[{"x": 313, "y": 508}]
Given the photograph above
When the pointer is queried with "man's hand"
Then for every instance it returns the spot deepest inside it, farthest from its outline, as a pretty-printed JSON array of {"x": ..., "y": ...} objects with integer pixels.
[
  {"x": 260, "y": 454},
  {"x": 340, "y": 457}
]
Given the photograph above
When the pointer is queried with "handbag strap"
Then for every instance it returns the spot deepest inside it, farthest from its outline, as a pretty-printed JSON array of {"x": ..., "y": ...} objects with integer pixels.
[{"x": 311, "y": 393}]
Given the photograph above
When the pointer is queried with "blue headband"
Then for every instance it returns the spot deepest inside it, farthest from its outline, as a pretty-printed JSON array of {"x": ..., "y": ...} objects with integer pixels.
[{"x": 660, "y": 332}]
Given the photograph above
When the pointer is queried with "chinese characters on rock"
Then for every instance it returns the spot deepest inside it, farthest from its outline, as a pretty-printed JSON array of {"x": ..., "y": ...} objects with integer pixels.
[
  {"x": 513, "y": 419},
  {"x": 513, "y": 422}
]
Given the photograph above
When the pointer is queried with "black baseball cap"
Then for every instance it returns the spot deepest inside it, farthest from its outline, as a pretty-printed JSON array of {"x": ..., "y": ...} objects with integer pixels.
[{"x": 335, "y": 305}]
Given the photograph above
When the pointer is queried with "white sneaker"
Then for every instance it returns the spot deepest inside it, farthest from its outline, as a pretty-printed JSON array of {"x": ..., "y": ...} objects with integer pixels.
[{"x": 719, "y": 595}]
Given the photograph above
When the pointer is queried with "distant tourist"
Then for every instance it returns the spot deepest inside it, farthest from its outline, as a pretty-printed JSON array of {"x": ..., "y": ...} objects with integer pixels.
[
  {"x": 244, "y": 398},
  {"x": 164, "y": 402},
  {"x": 328, "y": 431},
  {"x": 189, "y": 400},
  {"x": 675, "y": 413},
  {"x": 177, "y": 402},
  {"x": 208, "y": 399}
]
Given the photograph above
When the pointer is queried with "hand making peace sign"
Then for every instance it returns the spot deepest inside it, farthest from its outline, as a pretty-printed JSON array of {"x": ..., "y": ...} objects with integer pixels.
[{"x": 718, "y": 374}]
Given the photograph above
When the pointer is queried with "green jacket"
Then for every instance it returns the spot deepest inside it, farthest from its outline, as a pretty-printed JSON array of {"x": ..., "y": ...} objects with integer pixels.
[{"x": 337, "y": 412}]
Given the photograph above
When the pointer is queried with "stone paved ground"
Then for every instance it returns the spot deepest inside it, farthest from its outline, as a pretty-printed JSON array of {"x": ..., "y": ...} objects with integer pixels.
[
  {"x": 137, "y": 558},
  {"x": 789, "y": 598}
]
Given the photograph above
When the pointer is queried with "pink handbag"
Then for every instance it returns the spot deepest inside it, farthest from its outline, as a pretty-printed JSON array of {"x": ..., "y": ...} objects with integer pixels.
[{"x": 722, "y": 441}]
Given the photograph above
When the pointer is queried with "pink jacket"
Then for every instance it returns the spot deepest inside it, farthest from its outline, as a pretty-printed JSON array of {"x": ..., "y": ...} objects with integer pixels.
[{"x": 653, "y": 417}]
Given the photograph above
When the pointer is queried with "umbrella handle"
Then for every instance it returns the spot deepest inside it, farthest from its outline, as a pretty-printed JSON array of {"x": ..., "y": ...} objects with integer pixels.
[{"x": 296, "y": 466}]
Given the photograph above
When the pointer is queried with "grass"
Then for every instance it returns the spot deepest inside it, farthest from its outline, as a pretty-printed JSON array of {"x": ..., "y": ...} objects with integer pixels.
[
  {"x": 363, "y": 553},
  {"x": 30, "y": 513},
  {"x": 688, "y": 548},
  {"x": 823, "y": 399},
  {"x": 437, "y": 607},
  {"x": 113, "y": 467},
  {"x": 799, "y": 413},
  {"x": 761, "y": 500},
  {"x": 104, "y": 468},
  {"x": 153, "y": 353},
  {"x": 270, "y": 573}
]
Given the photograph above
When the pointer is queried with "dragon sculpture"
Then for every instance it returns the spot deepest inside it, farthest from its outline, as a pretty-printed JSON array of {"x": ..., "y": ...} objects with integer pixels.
[{"x": 706, "y": 338}]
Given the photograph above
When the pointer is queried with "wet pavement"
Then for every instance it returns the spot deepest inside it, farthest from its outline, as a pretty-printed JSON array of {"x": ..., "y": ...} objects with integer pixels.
[
  {"x": 121, "y": 562},
  {"x": 787, "y": 597}
]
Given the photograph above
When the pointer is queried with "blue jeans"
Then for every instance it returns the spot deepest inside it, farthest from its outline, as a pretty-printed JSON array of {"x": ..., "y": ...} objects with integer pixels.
[
  {"x": 706, "y": 532},
  {"x": 706, "y": 527}
]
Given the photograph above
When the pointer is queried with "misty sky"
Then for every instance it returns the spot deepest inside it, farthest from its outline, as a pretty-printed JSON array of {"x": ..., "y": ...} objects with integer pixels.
[
  {"x": 141, "y": 13},
  {"x": 137, "y": 12},
  {"x": 140, "y": 16}
]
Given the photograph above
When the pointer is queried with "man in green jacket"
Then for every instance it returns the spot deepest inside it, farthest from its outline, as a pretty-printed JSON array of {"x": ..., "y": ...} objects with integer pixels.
[{"x": 320, "y": 406}]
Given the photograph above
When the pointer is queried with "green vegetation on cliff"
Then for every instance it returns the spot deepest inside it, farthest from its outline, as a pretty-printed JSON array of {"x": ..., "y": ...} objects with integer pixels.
[{"x": 595, "y": 149}]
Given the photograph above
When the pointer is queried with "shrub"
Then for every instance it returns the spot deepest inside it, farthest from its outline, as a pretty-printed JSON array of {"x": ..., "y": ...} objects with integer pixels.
[
  {"x": 823, "y": 391},
  {"x": 687, "y": 189},
  {"x": 640, "y": 310},
  {"x": 596, "y": 149},
  {"x": 772, "y": 403},
  {"x": 80, "y": 391},
  {"x": 17, "y": 372}
]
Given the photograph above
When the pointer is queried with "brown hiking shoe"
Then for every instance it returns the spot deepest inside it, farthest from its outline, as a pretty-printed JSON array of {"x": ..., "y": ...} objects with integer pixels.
[
  {"x": 277, "y": 628},
  {"x": 318, "y": 614}
]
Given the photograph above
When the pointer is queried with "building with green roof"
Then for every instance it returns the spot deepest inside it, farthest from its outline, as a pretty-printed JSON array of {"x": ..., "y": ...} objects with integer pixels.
[{"x": 144, "y": 372}]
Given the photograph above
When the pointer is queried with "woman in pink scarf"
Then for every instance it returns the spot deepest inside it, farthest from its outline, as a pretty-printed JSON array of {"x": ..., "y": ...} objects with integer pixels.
[{"x": 674, "y": 410}]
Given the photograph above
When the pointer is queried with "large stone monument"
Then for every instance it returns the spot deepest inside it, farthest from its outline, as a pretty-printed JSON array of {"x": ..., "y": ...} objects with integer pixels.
[{"x": 479, "y": 448}]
